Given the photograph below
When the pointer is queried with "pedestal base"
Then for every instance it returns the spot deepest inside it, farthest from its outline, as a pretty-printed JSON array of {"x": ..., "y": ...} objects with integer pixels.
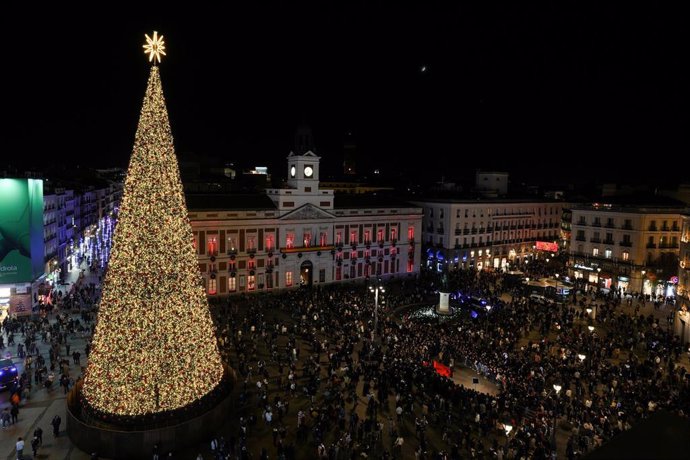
[
  {"x": 110, "y": 442},
  {"x": 443, "y": 307}
]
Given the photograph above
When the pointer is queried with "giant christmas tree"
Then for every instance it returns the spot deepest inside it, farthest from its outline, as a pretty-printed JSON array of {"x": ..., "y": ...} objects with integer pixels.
[{"x": 154, "y": 349}]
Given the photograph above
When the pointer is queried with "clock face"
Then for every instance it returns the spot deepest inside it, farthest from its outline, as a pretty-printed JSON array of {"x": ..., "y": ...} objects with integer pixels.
[
  {"x": 308, "y": 171},
  {"x": 292, "y": 172}
]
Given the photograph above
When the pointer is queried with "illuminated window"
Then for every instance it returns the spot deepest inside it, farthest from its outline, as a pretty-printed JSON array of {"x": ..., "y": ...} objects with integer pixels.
[
  {"x": 410, "y": 233},
  {"x": 251, "y": 264},
  {"x": 212, "y": 246},
  {"x": 608, "y": 253},
  {"x": 288, "y": 279},
  {"x": 394, "y": 233},
  {"x": 212, "y": 286},
  {"x": 626, "y": 255},
  {"x": 232, "y": 284},
  {"x": 323, "y": 239},
  {"x": 353, "y": 255},
  {"x": 394, "y": 251},
  {"x": 353, "y": 237},
  {"x": 471, "y": 253},
  {"x": 367, "y": 253},
  {"x": 269, "y": 242},
  {"x": 290, "y": 241},
  {"x": 232, "y": 243},
  {"x": 307, "y": 239},
  {"x": 410, "y": 266},
  {"x": 251, "y": 282},
  {"x": 251, "y": 243},
  {"x": 339, "y": 238},
  {"x": 595, "y": 251},
  {"x": 379, "y": 235},
  {"x": 367, "y": 236}
]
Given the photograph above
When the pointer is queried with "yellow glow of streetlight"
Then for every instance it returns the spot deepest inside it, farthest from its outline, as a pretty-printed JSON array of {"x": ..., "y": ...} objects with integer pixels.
[
  {"x": 557, "y": 388},
  {"x": 581, "y": 356},
  {"x": 591, "y": 328}
]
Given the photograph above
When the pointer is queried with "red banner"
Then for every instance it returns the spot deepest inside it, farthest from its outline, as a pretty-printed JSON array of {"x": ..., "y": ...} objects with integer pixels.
[{"x": 441, "y": 369}]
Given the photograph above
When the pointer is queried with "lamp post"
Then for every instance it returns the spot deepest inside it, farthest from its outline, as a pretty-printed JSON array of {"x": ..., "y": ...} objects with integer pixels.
[
  {"x": 557, "y": 297},
  {"x": 376, "y": 289}
]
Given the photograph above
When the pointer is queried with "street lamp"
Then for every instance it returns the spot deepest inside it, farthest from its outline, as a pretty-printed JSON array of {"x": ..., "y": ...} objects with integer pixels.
[
  {"x": 581, "y": 357},
  {"x": 557, "y": 388},
  {"x": 376, "y": 289},
  {"x": 557, "y": 297},
  {"x": 508, "y": 429},
  {"x": 591, "y": 328}
]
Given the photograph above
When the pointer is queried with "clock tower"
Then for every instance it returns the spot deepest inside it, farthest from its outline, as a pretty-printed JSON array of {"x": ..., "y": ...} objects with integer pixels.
[
  {"x": 302, "y": 189},
  {"x": 303, "y": 172}
]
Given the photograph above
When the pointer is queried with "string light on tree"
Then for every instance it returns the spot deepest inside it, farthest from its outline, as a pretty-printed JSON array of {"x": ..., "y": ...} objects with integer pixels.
[{"x": 154, "y": 349}]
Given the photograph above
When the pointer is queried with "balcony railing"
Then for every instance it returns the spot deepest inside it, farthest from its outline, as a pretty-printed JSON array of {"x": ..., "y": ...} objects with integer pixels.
[
  {"x": 610, "y": 225},
  {"x": 580, "y": 238},
  {"x": 439, "y": 230},
  {"x": 627, "y": 244},
  {"x": 653, "y": 228},
  {"x": 458, "y": 231},
  {"x": 609, "y": 242},
  {"x": 595, "y": 240},
  {"x": 627, "y": 227},
  {"x": 651, "y": 246}
]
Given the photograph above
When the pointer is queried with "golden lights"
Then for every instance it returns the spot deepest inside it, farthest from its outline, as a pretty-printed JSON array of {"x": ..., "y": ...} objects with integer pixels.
[
  {"x": 154, "y": 47},
  {"x": 154, "y": 348}
]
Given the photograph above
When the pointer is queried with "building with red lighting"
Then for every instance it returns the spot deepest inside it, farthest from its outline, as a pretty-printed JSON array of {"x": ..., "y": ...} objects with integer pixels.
[{"x": 301, "y": 235}]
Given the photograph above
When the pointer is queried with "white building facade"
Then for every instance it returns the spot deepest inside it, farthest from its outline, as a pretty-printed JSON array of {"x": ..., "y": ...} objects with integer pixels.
[
  {"x": 628, "y": 248},
  {"x": 488, "y": 233},
  {"x": 300, "y": 236}
]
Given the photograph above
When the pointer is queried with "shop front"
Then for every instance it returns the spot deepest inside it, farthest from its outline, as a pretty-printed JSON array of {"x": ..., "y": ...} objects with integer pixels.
[{"x": 623, "y": 284}]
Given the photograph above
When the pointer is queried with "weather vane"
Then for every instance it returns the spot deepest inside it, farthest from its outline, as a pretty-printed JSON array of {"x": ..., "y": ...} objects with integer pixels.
[{"x": 154, "y": 47}]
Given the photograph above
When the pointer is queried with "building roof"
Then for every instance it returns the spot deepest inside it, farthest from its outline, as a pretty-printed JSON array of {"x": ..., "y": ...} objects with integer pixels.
[
  {"x": 470, "y": 199},
  {"x": 350, "y": 201},
  {"x": 230, "y": 201},
  {"x": 662, "y": 435}
]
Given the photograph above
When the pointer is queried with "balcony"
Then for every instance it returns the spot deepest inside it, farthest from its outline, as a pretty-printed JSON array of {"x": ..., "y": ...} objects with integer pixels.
[
  {"x": 580, "y": 238},
  {"x": 627, "y": 244},
  {"x": 596, "y": 224},
  {"x": 482, "y": 230},
  {"x": 489, "y": 229},
  {"x": 675, "y": 228},
  {"x": 610, "y": 225},
  {"x": 665, "y": 228},
  {"x": 653, "y": 228},
  {"x": 610, "y": 242},
  {"x": 627, "y": 227},
  {"x": 466, "y": 231},
  {"x": 595, "y": 240},
  {"x": 474, "y": 231},
  {"x": 651, "y": 246},
  {"x": 582, "y": 222},
  {"x": 458, "y": 231},
  {"x": 440, "y": 230},
  {"x": 668, "y": 246}
]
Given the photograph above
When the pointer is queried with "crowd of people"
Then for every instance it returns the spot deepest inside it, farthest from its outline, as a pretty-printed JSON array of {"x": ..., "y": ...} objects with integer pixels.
[
  {"x": 317, "y": 379},
  {"x": 366, "y": 391}
]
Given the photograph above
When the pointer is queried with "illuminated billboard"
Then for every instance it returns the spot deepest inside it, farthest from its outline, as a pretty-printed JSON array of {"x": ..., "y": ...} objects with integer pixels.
[
  {"x": 21, "y": 230},
  {"x": 546, "y": 246}
]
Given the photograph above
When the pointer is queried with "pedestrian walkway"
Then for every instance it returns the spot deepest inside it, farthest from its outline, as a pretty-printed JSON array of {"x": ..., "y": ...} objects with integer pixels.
[{"x": 43, "y": 404}]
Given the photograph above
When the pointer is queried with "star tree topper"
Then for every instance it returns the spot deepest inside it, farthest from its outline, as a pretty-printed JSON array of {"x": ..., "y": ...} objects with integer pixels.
[{"x": 154, "y": 47}]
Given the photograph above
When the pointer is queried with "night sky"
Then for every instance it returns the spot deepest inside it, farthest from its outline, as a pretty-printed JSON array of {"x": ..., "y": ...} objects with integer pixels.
[{"x": 559, "y": 92}]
